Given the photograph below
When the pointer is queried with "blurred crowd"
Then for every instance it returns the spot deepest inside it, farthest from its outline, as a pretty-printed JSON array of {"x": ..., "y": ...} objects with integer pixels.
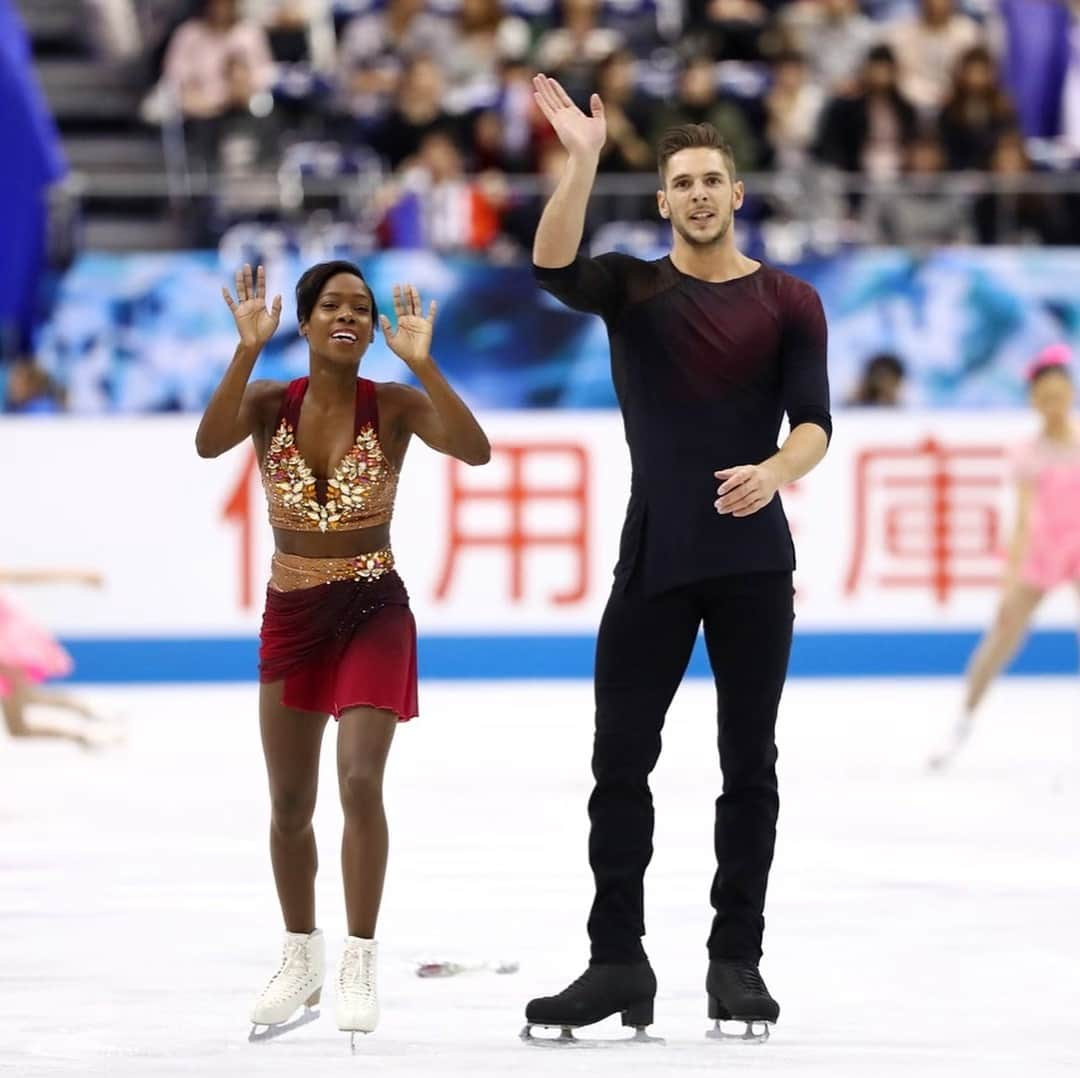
[{"x": 436, "y": 98}]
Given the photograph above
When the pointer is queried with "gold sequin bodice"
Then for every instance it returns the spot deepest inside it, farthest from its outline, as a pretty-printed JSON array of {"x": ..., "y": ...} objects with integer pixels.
[{"x": 359, "y": 494}]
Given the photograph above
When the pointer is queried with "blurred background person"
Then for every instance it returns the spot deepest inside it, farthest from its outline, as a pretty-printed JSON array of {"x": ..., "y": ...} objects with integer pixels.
[
  {"x": 1044, "y": 553},
  {"x": 29, "y": 390},
  {"x": 833, "y": 36},
  {"x": 976, "y": 113},
  {"x": 697, "y": 102},
  {"x": 29, "y": 656},
  {"x": 867, "y": 131},
  {"x": 881, "y": 384},
  {"x": 197, "y": 59},
  {"x": 927, "y": 46}
]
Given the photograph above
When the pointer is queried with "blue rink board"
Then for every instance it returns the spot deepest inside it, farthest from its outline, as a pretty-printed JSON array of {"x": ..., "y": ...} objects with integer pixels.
[{"x": 822, "y": 654}]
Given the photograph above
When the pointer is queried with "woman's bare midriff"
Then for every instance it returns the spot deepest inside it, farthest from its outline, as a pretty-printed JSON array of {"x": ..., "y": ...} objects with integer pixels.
[{"x": 332, "y": 544}]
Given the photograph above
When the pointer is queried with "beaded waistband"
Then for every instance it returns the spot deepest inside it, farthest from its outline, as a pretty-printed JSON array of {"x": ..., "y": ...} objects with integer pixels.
[{"x": 290, "y": 572}]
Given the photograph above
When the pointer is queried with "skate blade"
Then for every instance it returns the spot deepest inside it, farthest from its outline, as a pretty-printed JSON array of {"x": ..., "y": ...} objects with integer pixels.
[
  {"x": 756, "y": 1031},
  {"x": 352, "y": 1038},
  {"x": 269, "y": 1033},
  {"x": 566, "y": 1038}
]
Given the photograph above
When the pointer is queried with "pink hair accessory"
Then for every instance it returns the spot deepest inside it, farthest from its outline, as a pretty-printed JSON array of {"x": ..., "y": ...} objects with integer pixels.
[{"x": 1054, "y": 355}]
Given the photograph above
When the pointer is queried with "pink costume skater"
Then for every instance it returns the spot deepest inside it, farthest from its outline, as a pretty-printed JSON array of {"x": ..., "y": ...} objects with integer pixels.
[
  {"x": 1053, "y": 553},
  {"x": 26, "y": 647}
]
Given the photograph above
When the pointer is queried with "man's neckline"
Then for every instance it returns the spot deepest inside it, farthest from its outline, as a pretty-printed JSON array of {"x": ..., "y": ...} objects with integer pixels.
[{"x": 703, "y": 280}]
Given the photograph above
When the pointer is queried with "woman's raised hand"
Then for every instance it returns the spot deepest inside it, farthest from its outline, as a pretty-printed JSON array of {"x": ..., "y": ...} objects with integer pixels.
[
  {"x": 411, "y": 340},
  {"x": 254, "y": 322}
]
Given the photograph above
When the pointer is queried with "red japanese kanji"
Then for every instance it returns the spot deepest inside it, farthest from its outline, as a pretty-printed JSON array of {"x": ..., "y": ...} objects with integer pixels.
[
  {"x": 238, "y": 510},
  {"x": 516, "y": 495},
  {"x": 927, "y": 516}
]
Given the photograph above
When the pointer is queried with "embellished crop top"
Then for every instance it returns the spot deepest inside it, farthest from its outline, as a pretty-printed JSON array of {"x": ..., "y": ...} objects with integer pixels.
[{"x": 359, "y": 494}]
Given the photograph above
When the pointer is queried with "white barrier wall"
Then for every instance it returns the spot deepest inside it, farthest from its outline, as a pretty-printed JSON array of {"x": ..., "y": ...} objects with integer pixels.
[{"x": 900, "y": 529}]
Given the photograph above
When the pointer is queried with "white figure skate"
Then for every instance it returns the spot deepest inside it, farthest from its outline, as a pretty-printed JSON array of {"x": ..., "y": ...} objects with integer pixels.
[
  {"x": 357, "y": 992},
  {"x": 297, "y": 983}
]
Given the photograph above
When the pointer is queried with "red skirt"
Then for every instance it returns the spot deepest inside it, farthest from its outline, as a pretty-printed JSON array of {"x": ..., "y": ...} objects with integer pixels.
[{"x": 341, "y": 644}]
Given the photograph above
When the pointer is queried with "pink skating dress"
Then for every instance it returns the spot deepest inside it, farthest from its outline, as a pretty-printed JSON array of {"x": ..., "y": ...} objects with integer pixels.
[
  {"x": 1053, "y": 554},
  {"x": 26, "y": 647}
]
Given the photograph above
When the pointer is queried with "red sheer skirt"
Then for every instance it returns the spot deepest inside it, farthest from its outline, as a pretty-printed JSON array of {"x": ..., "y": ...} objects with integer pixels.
[{"x": 347, "y": 641}]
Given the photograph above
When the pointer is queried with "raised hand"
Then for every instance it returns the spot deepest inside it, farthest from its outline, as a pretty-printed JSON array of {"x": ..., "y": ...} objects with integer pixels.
[
  {"x": 411, "y": 341},
  {"x": 579, "y": 134},
  {"x": 254, "y": 322}
]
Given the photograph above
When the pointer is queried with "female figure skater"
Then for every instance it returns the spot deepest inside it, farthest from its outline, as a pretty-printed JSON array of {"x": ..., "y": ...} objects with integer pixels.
[
  {"x": 337, "y": 636},
  {"x": 29, "y": 656},
  {"x": 1045, "y": 548}
]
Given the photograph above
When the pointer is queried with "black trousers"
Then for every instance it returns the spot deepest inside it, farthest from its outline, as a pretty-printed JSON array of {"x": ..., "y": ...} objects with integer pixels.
[{"x": 642, "y": 652}]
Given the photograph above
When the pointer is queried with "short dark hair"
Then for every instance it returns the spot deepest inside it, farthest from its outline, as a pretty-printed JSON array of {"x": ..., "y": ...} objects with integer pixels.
[
  {"x": 691, "y": 137},
  {"x": 313, "y": 281}
]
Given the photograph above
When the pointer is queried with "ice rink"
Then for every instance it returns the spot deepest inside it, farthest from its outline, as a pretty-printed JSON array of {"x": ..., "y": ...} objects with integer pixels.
[{"x": 917, "y": 925}]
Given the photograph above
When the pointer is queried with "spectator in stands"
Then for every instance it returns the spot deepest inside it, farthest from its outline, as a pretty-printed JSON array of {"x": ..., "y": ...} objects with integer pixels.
[
  {"x": 573, "y": 49},
  {"x": 417, "y": 111},
  {"x": 730, "y": 29},
  {"x": 30, "y": 390},
  {"x": 927, "y": 47},
  {"x": 834, "y": 36},
  {"x": 629, "y": 116},
  {"x": 881, "y": 384},
  {"x": 113, "y": 28},
  {"x": 299, "y": 30},
  {"x": 920, "y": 212},
  {"x": 471, "y": 58},
  {"x": 697, "y": 103},
  {"x": 867, "y": 132},
  {"x": 247, "y": 131},
  {"x": 977, "y": 112},
  {"x": 198, "y": 55},
  {"x": 792, "y": 107},
  {"x": 1019, "y": 216},
  {"x": 434, "y": 204},
  {"x": 375, "y": 48}
]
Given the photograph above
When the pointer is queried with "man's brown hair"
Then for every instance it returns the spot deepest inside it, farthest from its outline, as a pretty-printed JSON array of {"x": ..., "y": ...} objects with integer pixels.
[{"x": 690, "y": 137}]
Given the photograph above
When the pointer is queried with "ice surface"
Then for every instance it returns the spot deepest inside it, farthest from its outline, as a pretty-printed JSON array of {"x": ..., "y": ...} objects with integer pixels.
[{"x": 917, "y": 925}]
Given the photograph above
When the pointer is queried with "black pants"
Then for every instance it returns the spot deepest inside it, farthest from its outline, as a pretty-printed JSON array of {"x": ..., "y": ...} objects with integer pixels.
[{"x": 642, "y": 652}]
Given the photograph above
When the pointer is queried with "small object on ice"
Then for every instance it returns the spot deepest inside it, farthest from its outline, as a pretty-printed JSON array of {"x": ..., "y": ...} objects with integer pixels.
[{"x": 452, "y": 969}]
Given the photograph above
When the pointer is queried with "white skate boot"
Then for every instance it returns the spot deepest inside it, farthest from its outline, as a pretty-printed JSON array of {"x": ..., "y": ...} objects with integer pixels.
[
  {"x": 297, "y": 983},
  {"x": 357, "y": 995}
]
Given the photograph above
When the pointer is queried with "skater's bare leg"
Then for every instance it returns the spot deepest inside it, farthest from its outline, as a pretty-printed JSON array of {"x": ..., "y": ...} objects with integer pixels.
[
  {"x": 364, "y": 738},
  {"x": 291, "y": 742},
  {"x": 13, "y": 706},
  {"x": 997, "y": 647},
  {"x": 1000, "y": 644},
  {"x": 37, "y": 695}
]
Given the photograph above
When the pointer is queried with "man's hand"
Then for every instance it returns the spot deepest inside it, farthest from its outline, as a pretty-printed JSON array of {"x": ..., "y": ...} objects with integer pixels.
[
  {"x": 581, "y": 135},
  {"x": 745, "y": 489}
]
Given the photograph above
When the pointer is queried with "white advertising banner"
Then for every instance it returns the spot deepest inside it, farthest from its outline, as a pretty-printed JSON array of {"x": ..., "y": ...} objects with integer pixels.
[{"x": 901, "y": 528}]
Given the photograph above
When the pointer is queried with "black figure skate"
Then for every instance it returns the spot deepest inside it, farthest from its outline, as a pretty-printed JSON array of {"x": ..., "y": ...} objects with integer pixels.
[
  {"x": 601, "y": 991},
  {"x": 738, "y": 994}
]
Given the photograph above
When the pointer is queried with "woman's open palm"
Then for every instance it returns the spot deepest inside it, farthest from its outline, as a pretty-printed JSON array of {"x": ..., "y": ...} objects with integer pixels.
[
  {"x": 577, "y": 132},
  {"x": 254, "y": 322},
  {"x": 411, "y": 340}
]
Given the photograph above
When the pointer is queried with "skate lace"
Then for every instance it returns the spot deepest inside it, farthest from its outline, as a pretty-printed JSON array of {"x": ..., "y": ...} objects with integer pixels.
[
  {"x": 294, "y": 967},
  {"x": 357, "y": 972}
]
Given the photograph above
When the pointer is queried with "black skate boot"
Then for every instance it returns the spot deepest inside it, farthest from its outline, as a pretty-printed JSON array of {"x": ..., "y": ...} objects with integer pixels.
[
  {"x": 602, "y": 990},
  {"x": 738, "y": 994}
]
